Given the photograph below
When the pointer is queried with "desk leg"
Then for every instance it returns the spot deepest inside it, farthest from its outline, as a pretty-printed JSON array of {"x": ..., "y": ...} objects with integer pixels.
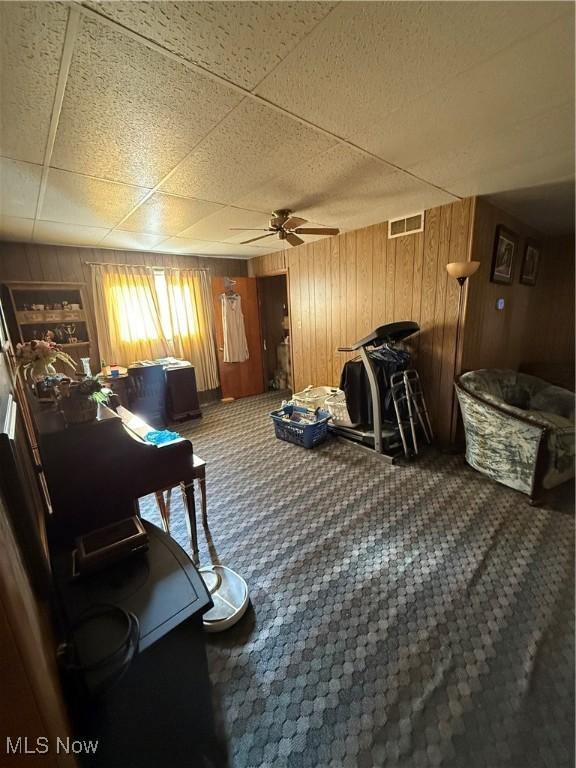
[
  {"x": 162, "y": 508},
  {"x": 202, "y": 484},
  {"x": 188, "y": 493}
]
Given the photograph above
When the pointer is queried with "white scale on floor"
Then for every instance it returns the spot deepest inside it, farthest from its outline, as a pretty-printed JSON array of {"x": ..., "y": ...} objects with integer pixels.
[{"x": 229, "y": 593}]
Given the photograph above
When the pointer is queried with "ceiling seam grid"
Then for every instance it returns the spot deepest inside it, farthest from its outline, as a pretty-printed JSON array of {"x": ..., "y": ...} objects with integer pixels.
[
  {"x": 72, "y": 28},
  {"x": 260, "y": 99},
  {"x": 494, "y": 55},
  {"x": 71, "y": 35},
  {"x": 249, "y": 94},
  {"x": 298, "y": 44}
]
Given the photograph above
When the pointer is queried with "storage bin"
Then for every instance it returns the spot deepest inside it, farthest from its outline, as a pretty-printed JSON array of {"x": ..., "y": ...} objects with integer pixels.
[
  {"x": 306, "y": 435},
  {"x": 313, "y": 397},
  {"x": 337, "y": 408}
]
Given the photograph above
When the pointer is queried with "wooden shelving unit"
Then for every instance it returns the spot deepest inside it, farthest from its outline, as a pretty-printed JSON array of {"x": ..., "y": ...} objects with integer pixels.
[{"x": 34, "y": 309}]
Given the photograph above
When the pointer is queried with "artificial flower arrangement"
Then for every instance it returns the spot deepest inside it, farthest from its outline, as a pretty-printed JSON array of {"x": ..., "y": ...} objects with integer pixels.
[{"x": 37, "y": 358}]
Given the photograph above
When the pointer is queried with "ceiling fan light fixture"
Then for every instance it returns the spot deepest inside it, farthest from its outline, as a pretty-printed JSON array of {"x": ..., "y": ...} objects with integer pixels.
[{"x": 287, "y": 227}]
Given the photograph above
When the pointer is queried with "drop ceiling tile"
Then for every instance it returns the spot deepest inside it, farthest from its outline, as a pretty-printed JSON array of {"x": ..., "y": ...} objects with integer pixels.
[
  {"x": 134, "y": 241},
  {"x": 168, "y": 215},
  {"x": 218, "y": 225},
  {"x": 253, "y": 144},
  {"x": 131, "y": 114},
  {"x": 82, "y": 200},
  {"x": 372, "y": 58},
  {"x": 67, "y": 234},
  {"x": 534, "y": 151},
  {"x": 183, "y": 245},
  {"x": 240, "y": 41},
  {"x": 31, "y": 42},
  {"x": 19, "y": 187},
  {"x": 15, "y": 228},
  {"x": 272, "y": 244},
  {"x": 343, "y": 188},
  {"x": 233, "y": 249},
  {"x": 523, "y": 81}
]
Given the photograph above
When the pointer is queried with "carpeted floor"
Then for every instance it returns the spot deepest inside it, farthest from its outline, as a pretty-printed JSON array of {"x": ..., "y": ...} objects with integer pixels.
[{"x": 405, "y": 616}]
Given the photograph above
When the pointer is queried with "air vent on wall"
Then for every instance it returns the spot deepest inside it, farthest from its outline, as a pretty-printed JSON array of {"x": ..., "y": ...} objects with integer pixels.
[{"x": 408, "y": 225}]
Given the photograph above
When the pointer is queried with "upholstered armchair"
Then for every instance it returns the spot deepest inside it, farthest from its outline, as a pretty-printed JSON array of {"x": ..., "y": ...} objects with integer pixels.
[{"x": 519, "y": 429}]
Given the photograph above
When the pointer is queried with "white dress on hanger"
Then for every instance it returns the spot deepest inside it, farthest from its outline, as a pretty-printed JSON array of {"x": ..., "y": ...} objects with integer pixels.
[{"x": 235, "y": 343}]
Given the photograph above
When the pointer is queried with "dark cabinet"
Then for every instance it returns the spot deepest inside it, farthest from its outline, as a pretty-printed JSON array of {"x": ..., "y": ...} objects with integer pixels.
[{"x": 181, "y": 394}]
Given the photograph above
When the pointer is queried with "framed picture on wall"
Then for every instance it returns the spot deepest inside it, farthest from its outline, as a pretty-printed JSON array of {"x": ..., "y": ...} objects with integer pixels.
[
  {"x": 530, "y": 263},
  {"x": 505, "y": 250}
]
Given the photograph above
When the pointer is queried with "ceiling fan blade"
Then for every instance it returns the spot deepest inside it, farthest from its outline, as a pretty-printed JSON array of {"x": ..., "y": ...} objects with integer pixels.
[
  {"x": 248, "y": 229},
  {"x": 293, "y": 222},
  {"x": 316, "y": 231},
  {"x": 293, "y": 239},
  {"x": 261, "y": 237}
]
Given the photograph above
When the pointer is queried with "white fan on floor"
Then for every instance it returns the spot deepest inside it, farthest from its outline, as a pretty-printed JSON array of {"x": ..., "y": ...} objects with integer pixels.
[{"x": 229, "y": 593}]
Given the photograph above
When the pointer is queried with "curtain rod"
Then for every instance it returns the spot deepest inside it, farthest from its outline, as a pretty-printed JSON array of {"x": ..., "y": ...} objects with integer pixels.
[{"x": 143, "y": 266}]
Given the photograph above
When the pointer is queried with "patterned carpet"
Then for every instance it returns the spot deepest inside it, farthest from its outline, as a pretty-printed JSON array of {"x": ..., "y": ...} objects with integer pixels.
[{"x": 403, "y": 616}]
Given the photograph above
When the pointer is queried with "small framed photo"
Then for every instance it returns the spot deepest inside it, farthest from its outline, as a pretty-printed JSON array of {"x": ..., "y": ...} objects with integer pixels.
[
  {"x": 505, "y": 249},
  {"x": 530, "y": 263}
]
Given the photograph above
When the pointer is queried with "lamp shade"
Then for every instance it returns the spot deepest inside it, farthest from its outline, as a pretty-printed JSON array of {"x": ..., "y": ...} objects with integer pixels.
[{"x": 462, "y": 269}]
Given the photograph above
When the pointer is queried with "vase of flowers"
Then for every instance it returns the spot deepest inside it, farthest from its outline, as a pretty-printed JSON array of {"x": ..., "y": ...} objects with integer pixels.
[
  {"x": 78, "y": 401},
  {"x": 36, "y": 359}
]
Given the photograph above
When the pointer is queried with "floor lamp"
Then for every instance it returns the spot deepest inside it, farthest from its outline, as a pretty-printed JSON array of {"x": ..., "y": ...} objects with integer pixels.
[{"x": 461, "y": 271}]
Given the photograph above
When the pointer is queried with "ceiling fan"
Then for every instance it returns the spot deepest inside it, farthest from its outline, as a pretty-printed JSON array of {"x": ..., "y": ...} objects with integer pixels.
[{"x": 287, "y": 227}]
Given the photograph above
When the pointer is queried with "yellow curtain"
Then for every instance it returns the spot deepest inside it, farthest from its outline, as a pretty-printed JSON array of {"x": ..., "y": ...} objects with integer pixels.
[
  {"x": 128, "y": 319},
  {"x": 190, "y": 317}
]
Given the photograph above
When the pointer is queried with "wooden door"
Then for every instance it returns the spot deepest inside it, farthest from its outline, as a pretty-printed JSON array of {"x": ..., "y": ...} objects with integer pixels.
[{"x": 240, "y": 379}]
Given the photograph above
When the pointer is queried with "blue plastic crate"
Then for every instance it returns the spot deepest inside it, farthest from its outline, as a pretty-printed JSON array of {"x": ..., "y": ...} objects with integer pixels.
[{"x": 306, "y": 435}]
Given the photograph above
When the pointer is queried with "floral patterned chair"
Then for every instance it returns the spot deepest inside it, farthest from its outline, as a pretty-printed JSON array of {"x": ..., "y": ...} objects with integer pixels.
[{"x": 519, "y": 429}]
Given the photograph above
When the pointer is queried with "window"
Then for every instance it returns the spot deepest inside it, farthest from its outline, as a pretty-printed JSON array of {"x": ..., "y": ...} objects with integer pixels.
[
  {"x": 176, "y": 306},
  {"x": 133, "y": 310}
]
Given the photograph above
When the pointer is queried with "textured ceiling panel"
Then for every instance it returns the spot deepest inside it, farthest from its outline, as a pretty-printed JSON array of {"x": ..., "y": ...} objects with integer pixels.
[
  {"x": 234, "y": 249},
  {"x": 241, "y": 41},
  {"x": 476, "y": 98},
  {"x": 168, "y": 215},
  {"x": 522, "y": 81},
  {"x": 372, "y": 58},
  {"x": 31, "y": 42},
  {"x": 183, "y": 245},
  {"x": 75, "y": 199},
  {"x": 14, "y": 228},
  {"x": 251, "y": 145},
  {"x": 19, "y": 187},
  {"x": 537, "y": 150},
  {"x": 129, "y": 113},
  {"x": 136, "y": 241},
  {"x": 343, "y": 187},
  {"x": 217, "y": 227},
  {"x": 67, "y": 234}
]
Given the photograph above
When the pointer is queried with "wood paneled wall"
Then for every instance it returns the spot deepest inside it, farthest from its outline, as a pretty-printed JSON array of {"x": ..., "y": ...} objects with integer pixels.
[
  {"x": 343, "y": 287},
  {"x": 549, "y": 332},
  {"x": 51, "y": 263},
  {"x": 537, "y": 322}
]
